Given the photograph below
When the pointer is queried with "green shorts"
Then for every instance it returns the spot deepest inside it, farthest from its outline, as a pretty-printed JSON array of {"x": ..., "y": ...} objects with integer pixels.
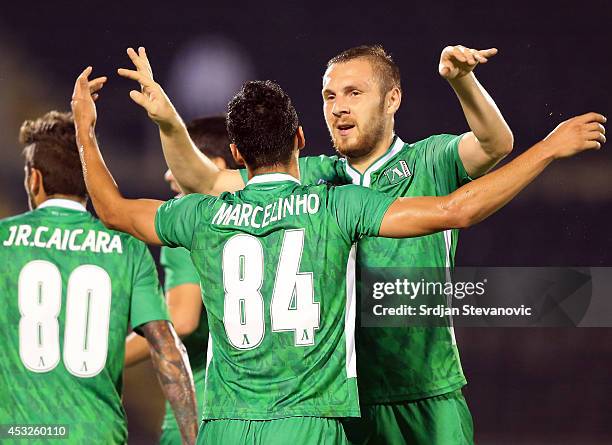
[
  {"x": 439, "y": 420},
  {"x": 292, "y": 430},
  {"x": 170, "y": 436}
]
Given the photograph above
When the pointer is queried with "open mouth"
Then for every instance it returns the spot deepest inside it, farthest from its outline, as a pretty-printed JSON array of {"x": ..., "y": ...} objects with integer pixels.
[{"x": 345, "y": 129}]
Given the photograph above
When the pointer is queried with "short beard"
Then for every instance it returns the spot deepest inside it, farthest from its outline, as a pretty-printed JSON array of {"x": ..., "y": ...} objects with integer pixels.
[{"x": 367, "y": 140}]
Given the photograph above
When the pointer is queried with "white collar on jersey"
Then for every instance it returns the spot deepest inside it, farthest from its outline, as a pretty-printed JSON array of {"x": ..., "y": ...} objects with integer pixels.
[
  {"x": 395, "y": 147},
  {"x": 271, "y": 177},
  {"x": 65, "y": 203}
]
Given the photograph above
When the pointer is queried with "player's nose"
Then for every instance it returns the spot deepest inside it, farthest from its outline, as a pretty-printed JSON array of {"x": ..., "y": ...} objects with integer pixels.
[{"x": 340, "y": 108}]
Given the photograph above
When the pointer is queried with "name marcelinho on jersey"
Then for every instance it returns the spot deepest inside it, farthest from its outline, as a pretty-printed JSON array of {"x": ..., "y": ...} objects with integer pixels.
[
  {"x": 64, "y": 239},
  {"x": 245, "y": 214}
]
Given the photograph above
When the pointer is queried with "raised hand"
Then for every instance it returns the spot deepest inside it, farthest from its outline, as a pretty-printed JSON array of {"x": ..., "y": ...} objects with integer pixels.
[
  {"x": 580, "y": 133},
  {"x": 151, "y": 95},
  {"x": 83, "y": 97},
  {"x": 458, "y": 61}
]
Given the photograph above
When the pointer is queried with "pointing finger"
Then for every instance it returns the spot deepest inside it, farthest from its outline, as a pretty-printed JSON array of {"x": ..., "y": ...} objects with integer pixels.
[
  {"x": 488, "y": 52},
  {"x": 135, "y": 58},
  {"x": 137, "y": 76}
]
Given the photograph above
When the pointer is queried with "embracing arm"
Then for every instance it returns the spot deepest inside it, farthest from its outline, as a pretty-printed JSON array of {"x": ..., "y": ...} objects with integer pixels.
[
  {"x": 193, "y": 170},
  {"x": 477, "y": 200},
  {"x": 490, "y": 139},
  {"x": 174, "y": 373},
  {"x": 133, "y": 216}
]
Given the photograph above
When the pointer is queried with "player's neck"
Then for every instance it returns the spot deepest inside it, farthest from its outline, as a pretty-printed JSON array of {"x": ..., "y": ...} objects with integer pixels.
[
  {"x": 75, "y": 198},
  {"x": 291, "y": 168},
  {"x": 362, "y": 163}
]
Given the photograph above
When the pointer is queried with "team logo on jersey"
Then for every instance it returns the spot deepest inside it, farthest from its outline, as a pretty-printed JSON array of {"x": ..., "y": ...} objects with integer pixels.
[{"x": 398, "y": 172}]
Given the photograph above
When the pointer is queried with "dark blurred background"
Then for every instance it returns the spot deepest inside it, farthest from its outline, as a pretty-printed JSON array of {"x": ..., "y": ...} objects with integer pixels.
[{"x": 527, "y": 386}]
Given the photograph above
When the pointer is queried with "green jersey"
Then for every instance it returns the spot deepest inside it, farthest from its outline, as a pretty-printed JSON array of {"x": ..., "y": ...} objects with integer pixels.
[
  {"x": 274, "y": 261},
  {"x": 178, "y": 269},
  {"x": 69, "y": 290},
  {"x": 396, "y": 364}
]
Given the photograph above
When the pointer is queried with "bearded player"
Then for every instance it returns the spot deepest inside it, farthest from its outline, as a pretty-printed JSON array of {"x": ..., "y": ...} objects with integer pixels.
[
  {"x": 70, "y": 288},
  {"x": 407, "y": 397},
  {"x": 181, "y": 281},
  {"x": 275, "y": 259}
]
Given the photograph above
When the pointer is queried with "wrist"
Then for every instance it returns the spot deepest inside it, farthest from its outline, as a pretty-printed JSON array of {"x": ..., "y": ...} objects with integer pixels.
[
  {"x": 84, "y": 129},
  {"x": 464, "y": 82},
  {"x": 546, "y": 151},
  {"x": 171, "y": 126}
]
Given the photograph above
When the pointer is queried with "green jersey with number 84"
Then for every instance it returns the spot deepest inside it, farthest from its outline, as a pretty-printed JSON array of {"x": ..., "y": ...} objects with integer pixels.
[{"x": 274, "y": 261}]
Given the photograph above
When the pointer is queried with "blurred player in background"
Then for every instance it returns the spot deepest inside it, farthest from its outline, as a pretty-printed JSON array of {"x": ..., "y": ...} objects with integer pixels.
[
  {"x": 181, "y": 281},
  {"x": 407, "y": 397},
  {"x": 69, "y": 289},
  {"x": 282, "y": 256}
]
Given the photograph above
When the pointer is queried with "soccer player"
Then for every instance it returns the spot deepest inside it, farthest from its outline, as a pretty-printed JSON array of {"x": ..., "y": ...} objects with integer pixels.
[
  {"x": 276, "y": 259},
  {"x": 406, "y": 397},
  {"x": 69, "y": 288},
  {"x": 182, "y": 284}
]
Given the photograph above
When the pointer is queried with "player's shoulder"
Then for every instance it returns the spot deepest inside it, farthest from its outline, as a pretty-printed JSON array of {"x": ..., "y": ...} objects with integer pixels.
[
  {"x": 433, "y": 142},
  {"x": 323, "y": 168},
  {"x": 16, "y": 219},
  {"x": 193, "y": 202},
  {"x": 320, "y": 159}
]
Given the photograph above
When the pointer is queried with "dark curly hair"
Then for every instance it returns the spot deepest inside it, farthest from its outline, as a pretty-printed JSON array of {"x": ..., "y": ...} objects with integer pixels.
[
  {"x": 382, "y": 63},
  {"x": 50, "y": 147},
  {"x": 262, "y": 122}
]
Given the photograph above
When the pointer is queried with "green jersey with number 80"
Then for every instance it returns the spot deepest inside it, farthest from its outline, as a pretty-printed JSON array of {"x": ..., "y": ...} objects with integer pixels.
[
  {"x": 69, "y": 289},
  {"x": 274, "y": 261}
]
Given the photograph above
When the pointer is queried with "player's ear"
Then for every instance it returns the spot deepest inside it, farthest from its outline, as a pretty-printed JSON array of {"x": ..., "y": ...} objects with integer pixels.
[
  {"x": 236, "y": 154},
  {"x": 219, "y": 162},
  {"x": 301, "y": 139},
  {"x": 35, "y": 181},
  {"x": 393, "y": 99}
]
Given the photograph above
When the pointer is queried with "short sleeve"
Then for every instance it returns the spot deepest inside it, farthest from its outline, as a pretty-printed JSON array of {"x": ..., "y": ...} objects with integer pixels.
[
  {"x": 176, "y": 219},
  {"x": 178, "y": 267},
  {"x": 147, "y": 303},
  {"x": 359, "y": 211},
  {"x": 443, "y": 156}
]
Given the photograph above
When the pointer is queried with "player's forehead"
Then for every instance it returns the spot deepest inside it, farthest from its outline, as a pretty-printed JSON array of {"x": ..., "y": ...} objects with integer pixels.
[{"x": 357, "y": 72}]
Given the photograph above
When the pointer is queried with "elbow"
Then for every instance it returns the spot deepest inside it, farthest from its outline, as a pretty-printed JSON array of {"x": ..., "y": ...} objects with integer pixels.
[
  {"x": 499, "y": 147},
  {"x": 108, "y": 217},
  {"x": 463, "y": 220},
  {"x": 507, "y": 144},
  {"x": 504, "y": 145},
  {"x": 459, "y": 217}
]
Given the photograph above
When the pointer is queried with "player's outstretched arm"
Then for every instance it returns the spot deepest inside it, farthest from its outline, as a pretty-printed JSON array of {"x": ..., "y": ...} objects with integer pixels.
[
  {"x": 490, "y": 139},
  {"x": 193, "y": 170},
  {"x": 477, "y": 200},
  {"x": 134, "y": 216},
  {"x": 174, "y": 373}
]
